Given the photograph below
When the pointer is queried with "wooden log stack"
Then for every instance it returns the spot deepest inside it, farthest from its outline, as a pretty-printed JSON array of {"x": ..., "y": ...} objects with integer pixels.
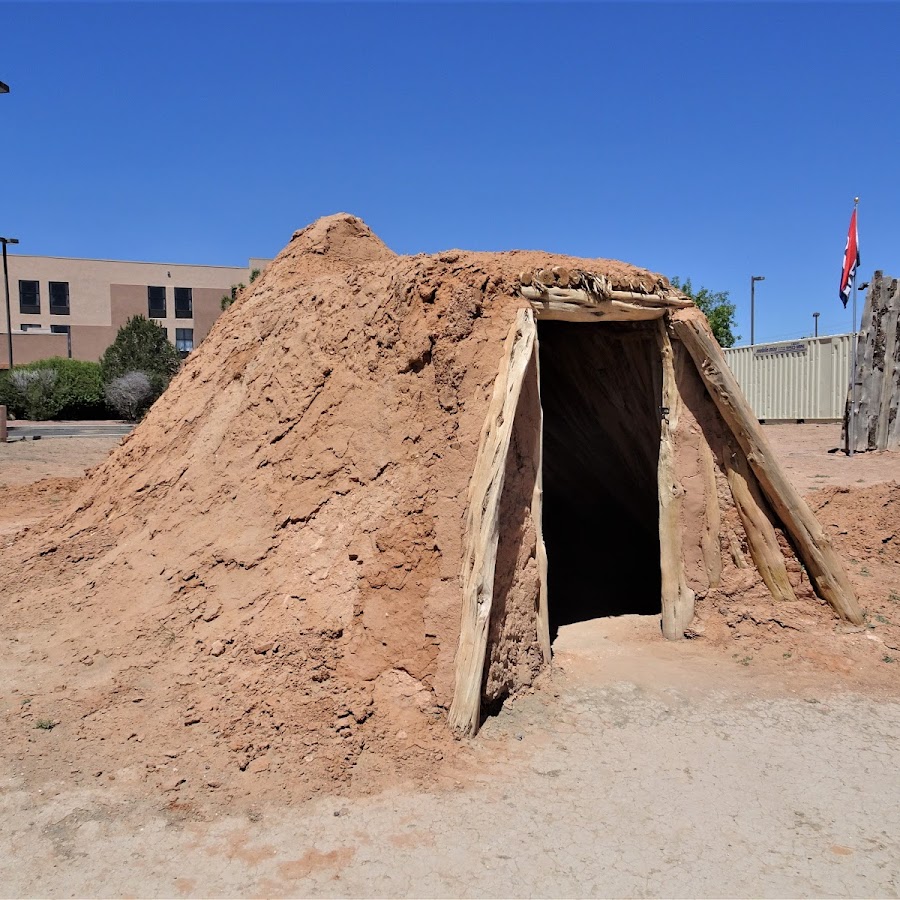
[{"x": 873, "y": 421}]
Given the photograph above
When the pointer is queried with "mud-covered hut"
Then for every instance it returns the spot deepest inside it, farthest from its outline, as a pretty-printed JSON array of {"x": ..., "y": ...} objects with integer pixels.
[{"x": 382, "y": 483}]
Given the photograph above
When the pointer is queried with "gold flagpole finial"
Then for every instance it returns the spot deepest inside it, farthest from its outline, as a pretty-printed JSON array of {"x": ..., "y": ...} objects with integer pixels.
[{"x": 856, "y": 199}]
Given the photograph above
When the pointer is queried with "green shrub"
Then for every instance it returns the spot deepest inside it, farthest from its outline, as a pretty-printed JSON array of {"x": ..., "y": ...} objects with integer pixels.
[
  {"x": 9, "y": 396},
  {"x": 37, "y": 388},
  {"x": 141, "y": 346},
  {"x": 54, "y": 388}
]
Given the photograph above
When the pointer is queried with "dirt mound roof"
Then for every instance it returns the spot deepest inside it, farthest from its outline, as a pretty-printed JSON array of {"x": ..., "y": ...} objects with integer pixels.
[{"x": 267, "y": 568}]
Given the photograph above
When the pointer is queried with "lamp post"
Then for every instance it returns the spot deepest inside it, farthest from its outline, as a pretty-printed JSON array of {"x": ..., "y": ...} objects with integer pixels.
[
  {"x": 753, "y": 280},
  {"x": 816, "y": 323},
  {"x": 6, "y": 241}
]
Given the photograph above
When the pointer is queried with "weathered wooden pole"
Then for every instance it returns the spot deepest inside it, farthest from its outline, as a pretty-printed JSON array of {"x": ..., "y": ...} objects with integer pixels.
[
  {"x": 809, "y": 538},
  {"x": 482, "y": 523},
  {"x": 677, "y": 598}
]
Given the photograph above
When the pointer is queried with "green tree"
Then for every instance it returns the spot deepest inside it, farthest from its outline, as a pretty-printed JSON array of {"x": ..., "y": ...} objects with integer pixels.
[
  {"x": 141, "y": 346},
  {"x": 228, "y": 299},
  {"x": 718, "y": 309}
]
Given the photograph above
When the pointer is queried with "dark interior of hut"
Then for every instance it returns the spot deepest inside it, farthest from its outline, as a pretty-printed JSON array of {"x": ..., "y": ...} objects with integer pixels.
[{"x": 600, "y": 389}]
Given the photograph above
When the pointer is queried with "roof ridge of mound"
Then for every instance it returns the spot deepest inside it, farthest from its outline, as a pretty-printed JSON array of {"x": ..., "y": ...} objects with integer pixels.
[{"x": 341, "y": 236}]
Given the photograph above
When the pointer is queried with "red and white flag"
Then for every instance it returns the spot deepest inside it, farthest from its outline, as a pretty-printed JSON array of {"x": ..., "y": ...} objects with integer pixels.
[{"x": 851, "y": 260}]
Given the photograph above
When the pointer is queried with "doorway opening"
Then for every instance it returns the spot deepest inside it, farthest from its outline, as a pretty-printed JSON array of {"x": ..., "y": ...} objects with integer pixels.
[{"x": 600, "y": 388}]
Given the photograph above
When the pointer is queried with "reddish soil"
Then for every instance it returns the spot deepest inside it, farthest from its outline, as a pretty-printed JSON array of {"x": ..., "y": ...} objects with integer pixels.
[
  {"x": 43, "y": 684},
  {"x": 256, "y": 595},
  {"x": 766, "y": 726},
  {"x": 263, "y": 576}
]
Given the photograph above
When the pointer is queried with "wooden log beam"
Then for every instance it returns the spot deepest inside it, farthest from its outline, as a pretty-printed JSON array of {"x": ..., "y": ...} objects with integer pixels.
[
  {"x": 812, "y": 544},
  {"x": 712, "y": 525},
  {"x": 482, "y": 525},
  {"x": 737, "y": 554},
  {"x": 537, "y": 517},
  {"x": 651, "y": 299},
  {"x": 546, "y": 307},
  {"x": 537, "y": 289},
  {"x": 761, "y": 537},
  {"x": 677, "y": 598}
]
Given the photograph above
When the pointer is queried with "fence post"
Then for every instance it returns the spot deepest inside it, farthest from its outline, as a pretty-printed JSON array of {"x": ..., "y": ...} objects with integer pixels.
[{"x": 2, "y": 424}]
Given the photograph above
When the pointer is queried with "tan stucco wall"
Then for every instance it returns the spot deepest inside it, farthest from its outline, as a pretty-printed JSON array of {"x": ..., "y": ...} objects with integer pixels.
[
  {"x": 89, "y": 341},
  {"x": 125, "y": 301},
  {"x": 32, "y": 347},
  {"x": 207, "y": 308},
  {"x": 103, "y": 294}
]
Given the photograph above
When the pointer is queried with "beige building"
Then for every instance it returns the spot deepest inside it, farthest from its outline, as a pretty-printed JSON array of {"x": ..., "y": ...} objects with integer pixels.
[{"x": 74, "y": 307}]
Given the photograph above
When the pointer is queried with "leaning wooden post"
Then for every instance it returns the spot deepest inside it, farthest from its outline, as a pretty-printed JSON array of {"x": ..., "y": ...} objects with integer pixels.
[
  {"x": 761, "y": 537},
  {"x": 537, "y": 517},
  {"x": 712, "y": 524},
  {"x": 677, "y": 598},
  {"x": 812, "y": 544},
  {"x": 482, "y": 525}
]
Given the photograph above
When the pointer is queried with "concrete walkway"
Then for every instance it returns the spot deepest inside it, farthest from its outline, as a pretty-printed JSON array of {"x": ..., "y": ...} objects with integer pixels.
[{"x": 26, "y": 430}]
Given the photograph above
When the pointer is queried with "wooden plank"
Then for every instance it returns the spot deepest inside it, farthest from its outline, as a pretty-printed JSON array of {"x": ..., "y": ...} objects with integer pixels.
[
  {"x": 538, "y": 289},
  {"x": 606, "y": 310},
  {"x": 809, "y": 539},
  {"x": 537, "y": 516},
  {"x": 482, "y": 525},
  {"x": 761, "y": 537},
  {"x": 677, "y": 598},
  {"x": 712, "y": 525},
  {"x": 888, "y": 387}
]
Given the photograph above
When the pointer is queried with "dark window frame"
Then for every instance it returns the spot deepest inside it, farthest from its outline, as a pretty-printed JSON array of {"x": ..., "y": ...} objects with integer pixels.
[
  {"x": 182, "y": 339},
  {"x": 60, "y": 329},
  {"x": 183, "y": 311},
  {"x": 150, "y": 301},
  {"x": 58, "y": 309},
  {"x": 27, "y": 309}
]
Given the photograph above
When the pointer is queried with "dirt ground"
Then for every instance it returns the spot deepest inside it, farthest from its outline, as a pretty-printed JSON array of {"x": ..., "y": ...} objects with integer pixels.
[{"x": 638, "y": 767}]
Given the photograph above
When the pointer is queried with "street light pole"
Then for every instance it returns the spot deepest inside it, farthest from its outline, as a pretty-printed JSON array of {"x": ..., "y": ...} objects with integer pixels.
[
  {"x": 753, "y": 280},
  {"x": 816, "y": 323},
  {"x": 6, "y": 241}
]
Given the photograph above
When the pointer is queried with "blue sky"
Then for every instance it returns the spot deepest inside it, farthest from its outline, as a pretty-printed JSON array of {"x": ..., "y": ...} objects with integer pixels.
[{"x": 710, "y": 140}]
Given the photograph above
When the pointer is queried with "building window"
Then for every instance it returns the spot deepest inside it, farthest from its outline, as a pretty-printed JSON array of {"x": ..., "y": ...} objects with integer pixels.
[
  {"x": 60, "y": 329},
  {"x": 184, "y": 303},
  {"x": 156, "y": 302},
  {"x": 25, "y": 326},
  {"x": 29, "y": 298},
  {"x": 184, "y": 340},
  {"x": 59, "y": 298}
]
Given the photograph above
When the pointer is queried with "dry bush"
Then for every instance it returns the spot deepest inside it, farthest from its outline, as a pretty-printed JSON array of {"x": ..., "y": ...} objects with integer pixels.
[{"x": 130, "y": 394}]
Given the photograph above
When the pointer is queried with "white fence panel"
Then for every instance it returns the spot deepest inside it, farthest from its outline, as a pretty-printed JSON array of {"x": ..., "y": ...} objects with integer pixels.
[{"x": 805, "y": 379}]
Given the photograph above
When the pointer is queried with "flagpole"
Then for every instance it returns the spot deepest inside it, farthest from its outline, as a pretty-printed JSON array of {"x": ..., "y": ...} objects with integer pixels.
[{"x": 851, "y": 425}]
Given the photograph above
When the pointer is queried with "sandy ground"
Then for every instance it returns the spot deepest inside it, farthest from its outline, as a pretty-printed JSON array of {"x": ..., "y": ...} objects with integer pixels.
[
  {"x": 637, "y": 768},
  {"x": 814, "y": 459}
]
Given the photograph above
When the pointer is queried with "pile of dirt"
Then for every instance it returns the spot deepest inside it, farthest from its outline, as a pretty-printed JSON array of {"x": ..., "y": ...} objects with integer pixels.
[
  {"x": 26, "y": 503},
  {"x": 864, "y": 526},
  {"x": 265, "y": 574}
]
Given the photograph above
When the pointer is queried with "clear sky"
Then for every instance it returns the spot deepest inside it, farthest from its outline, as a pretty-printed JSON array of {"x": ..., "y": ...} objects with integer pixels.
[{"x": 710, "y": 140}]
